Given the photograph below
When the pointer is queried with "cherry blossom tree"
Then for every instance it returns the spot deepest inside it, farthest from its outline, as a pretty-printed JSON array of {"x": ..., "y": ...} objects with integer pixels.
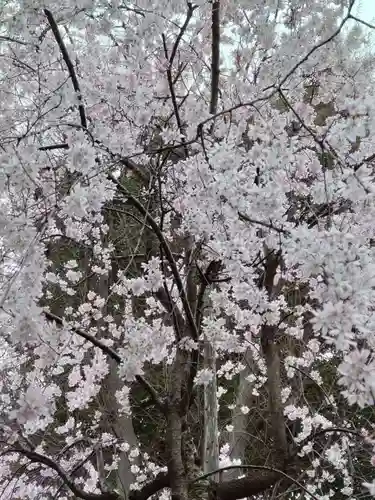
[{"x": 187, "y": 250}]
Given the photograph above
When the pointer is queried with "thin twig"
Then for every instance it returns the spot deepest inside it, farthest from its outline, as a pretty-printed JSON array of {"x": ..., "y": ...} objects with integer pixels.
[
  {"x": 171, "y": 80},
  {"x": 318, "y": 46},
  {"x": 365, "y": 23},
  {"x": 10, "y": 39},
  {"x": 54, "y": 146},
  {"x": 273, "y": 88},
  {"x": 268, "y": 225}
]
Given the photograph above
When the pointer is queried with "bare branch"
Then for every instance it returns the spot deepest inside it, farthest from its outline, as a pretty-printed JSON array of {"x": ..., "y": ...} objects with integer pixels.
[
  {"x": 161, "y": 481},
  {"x": 96, "y": 342},
  {"x": 274, "y": 88},
  {"x": 261, "y": 223},
  {"x": 113, "y": 355},
  {"x": 10, "y": 39},
  {"x": 215, "y": 56},
  {"x": 166, "y": 301},
  {"x": 169, "y": 255},
  {"x": 181, "y": 33},
  {"x": 69, "y": 64},
  {"x": 365, "y": 23},
  {"x": 329, "y": 430},
  {"x": 318, "y": 46},
  {"x": 170, "y": 79},
  {"x": 48, "y": 462},
  {"x": 54, "y": 146},
  {"x": 228, "y": 489}
]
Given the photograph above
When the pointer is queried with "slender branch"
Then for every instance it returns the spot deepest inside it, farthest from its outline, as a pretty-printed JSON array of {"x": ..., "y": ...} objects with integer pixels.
[
  {"x": 10, "y": 39},
  {"x": 138, "y": 170},
  {"x": 273, "y": 88},
  {"x": 96, "y": 342},
  {"x": 261, "y": 223},
  {"x": 255, "y": 467},
  {"x": 166, "y": 301},
  {"x": 215, "y": 56},
  {"x": 171, "y": 81},
  {"x": 113, "y": 355},
  {"x": 48, "y": 462},
  {"x": 54, "y": 146},
  {"x": 173, "y": 96},
  {"x": 69, "y": 64},
  {"x": 181, "y": 33},
  {"x": 75, "y": 469},
  {"x": 161, "y": 481},
  {"x": 152, "y": 393},
  {"x": 365, "y": 23},
  {"x": 169, "y": 255},
  {"x": 329, "y": 430},
  {"x": 318, "y": 46}
]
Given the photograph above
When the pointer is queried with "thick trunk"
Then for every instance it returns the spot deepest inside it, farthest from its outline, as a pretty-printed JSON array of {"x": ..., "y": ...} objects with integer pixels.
[
  {"x": 176, "y": 468},
  {"x": 211, "y": 431},
  {"x": 121, "y": 426},
  {"x": 271, "y": 355},
  {"x": 239, "y": 438}
]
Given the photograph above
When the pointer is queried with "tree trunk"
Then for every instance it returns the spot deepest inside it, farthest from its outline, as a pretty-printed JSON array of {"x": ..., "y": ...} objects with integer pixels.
[
  {"x": 211, "y": 430},
  {"x": 239, "y": 438}
]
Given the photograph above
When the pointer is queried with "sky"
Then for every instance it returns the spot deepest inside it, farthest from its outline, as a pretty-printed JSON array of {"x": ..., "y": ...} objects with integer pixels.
[{"x": 366, "y": 9}]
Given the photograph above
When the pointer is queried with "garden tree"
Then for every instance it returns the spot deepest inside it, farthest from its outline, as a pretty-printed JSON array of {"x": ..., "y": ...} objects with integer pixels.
[{"x": 187, "y": 250}]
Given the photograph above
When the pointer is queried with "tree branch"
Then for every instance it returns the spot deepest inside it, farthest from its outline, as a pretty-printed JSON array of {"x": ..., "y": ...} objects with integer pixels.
[
  {"x": 161, "y": 481},
  {"x": 54, "y": 146},
  {"x": 245, "y": 487},
  {"x": 97, "y": 343},
  {"x": 113, "y": 355},
  {"x": 69, "y": 64},
  {"x": 268, "y": 225},
  {"x": 215, "y": 56},
  {"x": 168, "y": 304},
  {"x": 169, "y": 255},
  {"x": 274, "y": 88},
  {"x": 48, "y": 462}
]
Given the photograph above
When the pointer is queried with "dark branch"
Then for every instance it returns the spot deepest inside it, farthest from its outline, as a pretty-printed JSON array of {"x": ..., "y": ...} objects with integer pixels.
[
  {"x": 54, "y": 146},
  {"x": 113, "y": 355},
  {"x": 365, "y": 23},
  {"x": 329, "y": 430},
  {"x": 274, "y": 88},
  {"x": 268, "y": 225},
  {"x": 166, "y": 301},
  {"x": 96, "y": 342},
  {"x": 248, "y": 486},
  {"x": 318, "y": 46},
  {"x": 171, "y": 81},
  {"x": 168, "y": 253},
  {"x": 48, "y": 462},
  {"x": 69, "y": 64},
  {"x": 215, "y": 56},
  {"x": 161, "y": 481},
  {"x": 181, "y": 33}
]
